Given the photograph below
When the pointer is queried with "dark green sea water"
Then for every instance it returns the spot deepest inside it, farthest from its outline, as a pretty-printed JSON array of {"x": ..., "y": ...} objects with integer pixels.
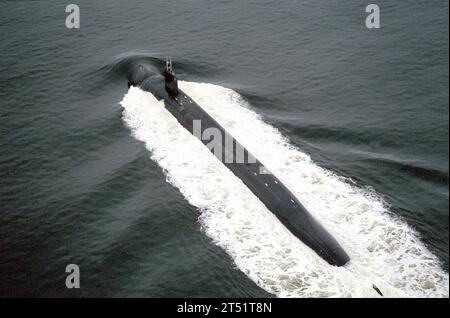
[{"x": 76, "y": 187}]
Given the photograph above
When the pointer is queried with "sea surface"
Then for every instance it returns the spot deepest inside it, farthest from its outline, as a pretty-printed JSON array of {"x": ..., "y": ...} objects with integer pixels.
[{"x": 354, "y": 121}]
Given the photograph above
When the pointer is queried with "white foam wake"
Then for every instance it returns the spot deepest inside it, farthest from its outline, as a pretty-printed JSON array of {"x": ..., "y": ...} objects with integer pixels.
[{"x": 383, "y": 249}]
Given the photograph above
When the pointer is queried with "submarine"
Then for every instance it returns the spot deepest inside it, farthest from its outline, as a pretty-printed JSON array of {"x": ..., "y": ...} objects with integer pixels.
[{"x": 265, "y": 185}]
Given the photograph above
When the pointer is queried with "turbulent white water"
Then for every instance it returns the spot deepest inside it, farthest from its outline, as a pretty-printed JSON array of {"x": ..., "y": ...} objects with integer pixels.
[{"x": 383, "y": 250}]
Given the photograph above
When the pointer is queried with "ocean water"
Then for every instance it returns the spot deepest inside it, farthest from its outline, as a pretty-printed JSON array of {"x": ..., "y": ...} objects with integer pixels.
[{"x": 353, "y": 121}]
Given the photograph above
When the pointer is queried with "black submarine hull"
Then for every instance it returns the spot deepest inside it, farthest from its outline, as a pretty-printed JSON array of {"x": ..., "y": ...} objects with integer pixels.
[{"x": 270, "y": 191}]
